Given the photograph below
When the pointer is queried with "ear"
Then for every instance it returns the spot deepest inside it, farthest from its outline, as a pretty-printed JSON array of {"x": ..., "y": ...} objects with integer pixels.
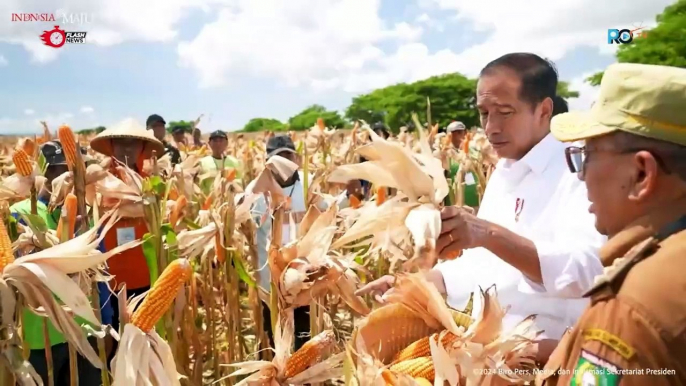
[
  {"x": 546, "y": 109},
  {"x": 646, "y": 169}
]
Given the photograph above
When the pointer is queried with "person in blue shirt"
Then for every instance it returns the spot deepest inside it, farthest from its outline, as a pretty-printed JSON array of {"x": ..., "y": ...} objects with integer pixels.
[{"x": 34, "y": 335}]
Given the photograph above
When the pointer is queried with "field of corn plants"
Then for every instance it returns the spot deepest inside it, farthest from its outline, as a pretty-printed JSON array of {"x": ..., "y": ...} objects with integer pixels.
[{"x": 201, "y": 322}]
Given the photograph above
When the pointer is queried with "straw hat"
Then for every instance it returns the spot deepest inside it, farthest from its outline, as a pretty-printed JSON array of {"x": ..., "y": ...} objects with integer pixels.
[{"x": 128, "y": 128}]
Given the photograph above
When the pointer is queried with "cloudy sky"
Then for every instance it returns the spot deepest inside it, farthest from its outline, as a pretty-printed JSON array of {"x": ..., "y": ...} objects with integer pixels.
[{"x": 233, "y": 60}]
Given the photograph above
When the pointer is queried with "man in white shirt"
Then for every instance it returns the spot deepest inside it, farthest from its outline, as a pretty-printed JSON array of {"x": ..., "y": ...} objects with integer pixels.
[
  {"x": 533, "y": 236},
  {"x": 293, "y": 187}
]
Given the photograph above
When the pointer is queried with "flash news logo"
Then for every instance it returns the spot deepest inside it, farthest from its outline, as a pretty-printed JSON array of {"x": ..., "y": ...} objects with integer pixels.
[
  {"x": 624, "y": 36},
  {"x": 57, "y": 37}
]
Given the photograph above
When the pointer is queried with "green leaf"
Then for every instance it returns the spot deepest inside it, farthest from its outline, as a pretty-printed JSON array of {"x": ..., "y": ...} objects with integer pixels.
[
  {"x": 157, "y": 185},
  {"x": 35, "y": 222},
  {"x": 242, "y": 272},
  {"x": 38, "y": 226},
  {"x": 190, "y": 224},
  {"x": 171, "y": 241},
  {"x": 42, "y": 163},
  {"x": 12, "y": 228},
  {"x": 150, "y": 253}
]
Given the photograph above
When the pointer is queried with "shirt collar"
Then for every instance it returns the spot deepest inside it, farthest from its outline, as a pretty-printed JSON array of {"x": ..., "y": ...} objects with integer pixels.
[
  {"x": 539, "y": 157},
  {"x": 639, "y": 230}
]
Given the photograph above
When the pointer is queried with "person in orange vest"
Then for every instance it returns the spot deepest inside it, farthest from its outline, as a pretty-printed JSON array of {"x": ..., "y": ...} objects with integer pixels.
[{"x": 130, "y": 144}]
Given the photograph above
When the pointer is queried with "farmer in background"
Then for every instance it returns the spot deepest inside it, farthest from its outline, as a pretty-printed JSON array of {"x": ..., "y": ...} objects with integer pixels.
[
  {"x": 634, "y": 165},
  {"x": 533, "y": 237},
  {"x": 33, "y": 324},
  {"x": 381, "y": 130},
  {"x": 212, "y": 164},
  {"x": 179, "y": 136},
  {"x": 559, "y": 106},
  {"x": 293, "y": 187},
  {"x": 157, "y": 124},
  {"x": 197, "y": 138},
  {"x": 130, "y": 144},
  {"x": 458, "y": 132}
]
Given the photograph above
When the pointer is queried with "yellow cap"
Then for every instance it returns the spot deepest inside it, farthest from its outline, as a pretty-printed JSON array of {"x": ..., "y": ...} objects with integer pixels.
[{"x": 640, "y": 99}]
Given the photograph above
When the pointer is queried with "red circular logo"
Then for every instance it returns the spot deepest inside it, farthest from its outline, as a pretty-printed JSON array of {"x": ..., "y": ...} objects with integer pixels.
[{"x": 54, "y": 38}]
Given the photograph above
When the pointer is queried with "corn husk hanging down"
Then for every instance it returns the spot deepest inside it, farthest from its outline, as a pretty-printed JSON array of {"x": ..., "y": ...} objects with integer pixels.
[
  {"x": 199, "y": 242},
  {"x": 418, "y": 177},
  {"x": 304, "y": 268},
  {"x": 40, "y": 276}
]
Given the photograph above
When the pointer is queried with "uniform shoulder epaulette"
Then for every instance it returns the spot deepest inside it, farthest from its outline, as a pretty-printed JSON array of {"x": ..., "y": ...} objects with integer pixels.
[{"x": 615, "y": 274}]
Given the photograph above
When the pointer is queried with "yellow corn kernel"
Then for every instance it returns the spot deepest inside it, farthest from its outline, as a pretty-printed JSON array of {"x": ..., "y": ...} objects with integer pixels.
[
  {"x": 68, "y": 141},
  {"x": 422, "y": 348},
  {"x": 310, "y": 353},
  {"x": 6, "y": 255},
  {"x": 463, "y": 319},
  {"x": 423, "y": 382},
  {"x": 418, "y": 367},
  {"x": 22, "y": 163},
  {"x": 162, "y": 294}
]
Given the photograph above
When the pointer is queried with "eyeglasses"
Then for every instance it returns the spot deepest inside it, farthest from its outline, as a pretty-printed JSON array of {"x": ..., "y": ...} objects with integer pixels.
[{"x": 577, "y": 157}]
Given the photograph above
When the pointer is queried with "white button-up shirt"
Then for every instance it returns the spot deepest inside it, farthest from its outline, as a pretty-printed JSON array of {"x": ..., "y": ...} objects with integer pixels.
[{"x": 537, "y": 198}]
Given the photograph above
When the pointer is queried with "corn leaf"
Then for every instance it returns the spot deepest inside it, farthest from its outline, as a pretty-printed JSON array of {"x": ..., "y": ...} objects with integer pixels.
[
  {"x": 157, "y": 185},
  {"x": 190, "y": 224},
  {"x": 12, "y": 228},
  {"x": 38, "y": 226},
  {"x": 42, "y": 163},
  {"x": 242, "y": 272},
  {"x": 171, "y": 241},
  {"x": 150, "y": 253}
]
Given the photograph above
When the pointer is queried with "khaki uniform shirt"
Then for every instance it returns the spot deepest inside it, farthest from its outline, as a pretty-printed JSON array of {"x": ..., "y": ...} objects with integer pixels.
[{"x": 634, "y": 331}]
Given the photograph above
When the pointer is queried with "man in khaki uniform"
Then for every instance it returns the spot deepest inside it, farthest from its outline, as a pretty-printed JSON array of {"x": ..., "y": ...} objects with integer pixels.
[{"x": 634, "y": 165}]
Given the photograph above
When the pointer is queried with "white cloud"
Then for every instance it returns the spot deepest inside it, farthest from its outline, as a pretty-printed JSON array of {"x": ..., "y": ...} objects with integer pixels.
[
  {"x": 86, "y": 109},
  {"x": 3, "y": 61},
  {"x": 549, "y": 28},
  {"x": 29, "y": 112},
  {"x": 423, "y": 18},
  {"x": 319, "y": 43},
  {"x": 313, "y": 43},
  {"x": 587, "y": 93},
  {"x": 31, "y": 125}
]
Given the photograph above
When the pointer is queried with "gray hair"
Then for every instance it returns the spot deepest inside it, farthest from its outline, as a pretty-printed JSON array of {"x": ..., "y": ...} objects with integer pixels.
[{"x": 671, "y": 156}]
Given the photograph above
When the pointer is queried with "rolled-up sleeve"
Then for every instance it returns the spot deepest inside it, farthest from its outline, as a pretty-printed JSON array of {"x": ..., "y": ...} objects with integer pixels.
[{"x": 569, "y": 260}]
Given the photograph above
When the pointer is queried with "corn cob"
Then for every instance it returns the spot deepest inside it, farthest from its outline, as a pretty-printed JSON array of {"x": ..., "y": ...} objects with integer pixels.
[
  {"x": 180, "y": 203},
  {"x": 310, "y": 353},
  {"x": 418, "y": 367},
  {"x": 463, "y": 318},
  {"x": 29, "y": 146},
  {"x": 22, "y": 163},
  {"x": 68, "y": 217},
  {"x": 380, "y": 195},
  {"x": 354, "y": 202},
  {"x": 389, "y": 378},
  {"x": 68, "y": 141},
  {"x": 219, "y": 251},
  {"x": 421, "y": 347},
  {"x": 423, "y": 382},
  {"x": 230, "y": 174},
  {"x": 162, "y": 294},
  {"x": 6, "y": 255}
]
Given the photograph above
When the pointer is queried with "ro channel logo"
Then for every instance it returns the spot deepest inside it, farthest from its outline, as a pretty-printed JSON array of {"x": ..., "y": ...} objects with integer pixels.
[{"x": 624, "y": 36}]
